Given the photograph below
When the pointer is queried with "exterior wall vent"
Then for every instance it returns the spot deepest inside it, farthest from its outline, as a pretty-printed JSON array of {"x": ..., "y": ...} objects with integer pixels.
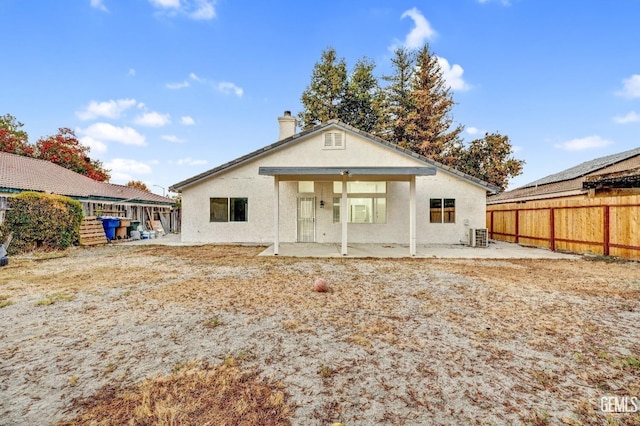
[{"x": 334, "y": 140}]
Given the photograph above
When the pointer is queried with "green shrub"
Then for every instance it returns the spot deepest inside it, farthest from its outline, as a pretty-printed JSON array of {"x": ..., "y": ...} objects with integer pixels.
[{"x": 38, "y": 220}]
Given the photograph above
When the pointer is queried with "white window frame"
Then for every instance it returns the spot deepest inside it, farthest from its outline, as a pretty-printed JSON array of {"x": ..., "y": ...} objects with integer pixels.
[
  {"x": 442, "y": 208},
  {"x": 373, "y": 196},
  {"x": 229, "y": 201}
]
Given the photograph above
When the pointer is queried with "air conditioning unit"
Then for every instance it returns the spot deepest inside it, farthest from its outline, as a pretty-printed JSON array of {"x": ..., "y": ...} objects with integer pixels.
[{"x": 479, "y": 237}]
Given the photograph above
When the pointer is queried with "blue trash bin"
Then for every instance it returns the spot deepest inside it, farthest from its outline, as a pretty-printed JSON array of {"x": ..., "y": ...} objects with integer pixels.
[{"x": 110, "y": 224}]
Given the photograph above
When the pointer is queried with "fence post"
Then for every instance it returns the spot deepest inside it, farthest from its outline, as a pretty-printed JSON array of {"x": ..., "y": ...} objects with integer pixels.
[
  {"x": 517, "y": 226},
  {"x": 605, "y": 244},
  {"x": 491, "y": 225},
  {"x": 552, "y": 229}
]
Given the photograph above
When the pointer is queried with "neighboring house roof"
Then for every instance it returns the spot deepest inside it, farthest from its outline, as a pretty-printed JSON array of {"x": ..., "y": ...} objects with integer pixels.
[
  {"x": 19, "y": 173},
  {"x": 618, "y": 179},
  {"x": 571, "y": 181},
  {"x": 331, "y": 123},
  {"x": 585, "y": 168}
]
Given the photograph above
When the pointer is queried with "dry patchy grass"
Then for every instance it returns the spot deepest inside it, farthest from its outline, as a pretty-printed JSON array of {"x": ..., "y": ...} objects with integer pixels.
[
  {"x": 512, "y": 339},
  {"x": 197, "y": 394}
]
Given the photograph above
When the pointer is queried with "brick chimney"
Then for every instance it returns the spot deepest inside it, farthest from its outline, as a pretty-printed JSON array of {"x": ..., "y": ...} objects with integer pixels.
[{"x": 287, "y": 125}]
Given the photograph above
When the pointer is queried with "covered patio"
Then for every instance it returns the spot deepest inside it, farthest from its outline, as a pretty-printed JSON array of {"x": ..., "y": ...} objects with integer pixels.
[{"x": 345, "y": 175}]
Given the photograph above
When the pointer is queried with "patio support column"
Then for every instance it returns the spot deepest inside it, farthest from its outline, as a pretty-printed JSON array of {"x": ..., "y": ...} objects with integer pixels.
[
  {"x": 412, "y": 216},
  {"x": 344, "y": 215},
  {"x": 276, "y": 214}
]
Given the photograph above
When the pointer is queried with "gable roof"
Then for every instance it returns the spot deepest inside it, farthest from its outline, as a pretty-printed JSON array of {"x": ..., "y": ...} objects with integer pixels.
[
  {"x": 571, "y": 181},
  {"x": 19, "y": 173},
  {"x": 316, "y": 129}
]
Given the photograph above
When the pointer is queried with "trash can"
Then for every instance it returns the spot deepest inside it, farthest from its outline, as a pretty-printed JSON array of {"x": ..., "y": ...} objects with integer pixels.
[
  {"x": 133, "y": 226},
  {"x": 4, "y": 260},
  {"x": 122, "y": 229},
  {"x": 110, "y": 224}
]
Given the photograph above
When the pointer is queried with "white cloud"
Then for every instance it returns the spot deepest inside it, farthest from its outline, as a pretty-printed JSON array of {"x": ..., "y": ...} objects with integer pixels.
[
  {"x": 99, "y": 4},
  {"x": 173, "y": 138},
  {"x": 472, "y": 130},
  {"x": 165, "y": 4},
  {"x": 583, "y": 143},
  {"x": 108, "y": 109},
  {"x": 132, "y": 72},
  {"x": 119, "y": 177},
  {"x": 176, "y": 86},
  {"x": 190, "y": 162},
  {"x": 95, "y": 146},
  {"x": 227, "y": 88},
  {"x": 224, "y": 87},
  {"x": 453, "y": 75},
  {"x": 631, "y": 117},
  {"x": 421, "y": 32},
  {"x": 503, "y": 2},
  {"x": 187, "y": 120},
  {"x": 153, "y": 119},
  {"x": 122, "y": 169},
  {"x": 199, "y": 10},
  {"x": 204, "y": 11},
  {"x": 631, "y": 87},
  {"x": 108, "y": 132}
]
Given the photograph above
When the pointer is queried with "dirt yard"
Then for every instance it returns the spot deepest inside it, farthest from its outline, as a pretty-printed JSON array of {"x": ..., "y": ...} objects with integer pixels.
[{"x": 97, "y": 334}]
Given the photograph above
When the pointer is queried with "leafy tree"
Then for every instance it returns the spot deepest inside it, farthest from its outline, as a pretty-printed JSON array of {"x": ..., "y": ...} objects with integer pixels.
[
  {"x": 139, "y": 185},
  {"x": 177, "y": 199},
  {"x": 398, "y": 100},
  {"x": 361, "y": 105},
  {"x": 321, "y": 99},
  {"x": 490, "y": 159},
  {"x": 429, "y": 123},
  {"x": 65, "y": 149},
  {"x": 12, "y": 139}
]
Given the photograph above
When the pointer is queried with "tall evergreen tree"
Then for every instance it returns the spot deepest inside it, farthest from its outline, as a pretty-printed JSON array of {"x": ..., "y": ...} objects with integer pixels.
[
  {"x": 321, "y": 99},
  {"x": 362, "y": 102},
  {"x": 429, "y": 124},
  {"x": 414, "y": 110},
  {"x": 398, "y": 100}
]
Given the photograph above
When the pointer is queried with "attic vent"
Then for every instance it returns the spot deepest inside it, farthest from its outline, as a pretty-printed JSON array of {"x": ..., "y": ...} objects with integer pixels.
[{"x": 334, "y": 140}]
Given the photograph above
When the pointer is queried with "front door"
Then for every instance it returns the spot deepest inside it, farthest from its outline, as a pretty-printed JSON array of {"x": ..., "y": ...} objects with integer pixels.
[{"x": 306, "y": 219}]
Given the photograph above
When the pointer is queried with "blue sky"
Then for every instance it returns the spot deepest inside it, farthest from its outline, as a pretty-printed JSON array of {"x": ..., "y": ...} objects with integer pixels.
[{"x": 162, "y": 90}]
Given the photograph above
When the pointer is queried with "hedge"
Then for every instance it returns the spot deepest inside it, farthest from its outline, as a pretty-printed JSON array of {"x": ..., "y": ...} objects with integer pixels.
[{"x": 37, "y": 220}]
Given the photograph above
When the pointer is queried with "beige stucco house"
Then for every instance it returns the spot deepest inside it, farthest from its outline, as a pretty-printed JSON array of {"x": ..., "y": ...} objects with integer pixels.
[{"x": 331, "y": 184}]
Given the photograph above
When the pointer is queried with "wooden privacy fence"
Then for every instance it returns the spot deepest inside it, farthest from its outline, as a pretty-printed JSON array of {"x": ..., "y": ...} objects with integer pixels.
[{"x": 606, "y": 229}]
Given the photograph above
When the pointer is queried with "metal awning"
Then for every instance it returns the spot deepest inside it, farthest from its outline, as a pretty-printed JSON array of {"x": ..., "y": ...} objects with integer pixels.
[{"x": 390, "y": 173}]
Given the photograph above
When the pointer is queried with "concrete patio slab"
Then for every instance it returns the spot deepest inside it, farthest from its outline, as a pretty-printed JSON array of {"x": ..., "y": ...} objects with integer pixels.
[{"x": 496, "y": 250}]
